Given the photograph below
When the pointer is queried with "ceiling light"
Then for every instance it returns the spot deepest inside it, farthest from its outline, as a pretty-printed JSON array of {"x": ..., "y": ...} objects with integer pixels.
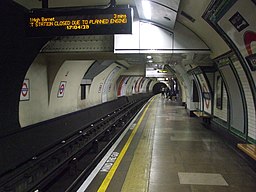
[
  {"x": 150, "y": 61},
  {"x": 149, "y": 57},
  {"x": 167, "y": 18},
  {"x": 146, "y": 9},
  {"x": 187, "y": 16}
]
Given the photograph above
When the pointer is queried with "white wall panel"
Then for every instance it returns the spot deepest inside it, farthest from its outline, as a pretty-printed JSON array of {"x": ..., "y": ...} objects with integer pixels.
[
  {"x": 144, "y": 85},
  {"x": 130, "y": 86},
  {"x": 236, "y": 105},
  {"x": 148, "y": 38},
  {"x": 36, "y": 108},
  {"x": 71, "y": 72},
  {"x": 44, "y": 102},
  {"x": 138, "y": 85},
  {"x": 99, "y": 90},
  {"x": 124, "y": 86},
  {"x": 186, "y": 79},
  {"x": 249, "y": 100},
  {"x": 127, "y": 42},
  {"x": 152, "y": 83},
  {"x": 109, "y": 85}
]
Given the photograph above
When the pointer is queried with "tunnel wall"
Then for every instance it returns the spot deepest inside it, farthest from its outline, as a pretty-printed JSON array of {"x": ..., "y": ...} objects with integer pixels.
[
  {"x": 186, "y": 81},
  {"x": 70, "y": 73},
  {"x": 17, "y": 53},
  {"x": 237, "y": 67},
  {"x": 144, "y": 85},
  {"x": 44, "y": 102},
  {"x": 32, "y": 140},
  {"x": 47, "y": 75},
  {"x": 122, "y": 82}
]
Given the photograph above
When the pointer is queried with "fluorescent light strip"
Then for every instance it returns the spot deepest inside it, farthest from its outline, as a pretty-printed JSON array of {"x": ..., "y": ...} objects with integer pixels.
[{"x": 146, "y": 9}]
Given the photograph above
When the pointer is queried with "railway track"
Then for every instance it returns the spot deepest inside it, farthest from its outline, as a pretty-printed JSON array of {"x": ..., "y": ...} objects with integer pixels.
[{"x": 64, "y": 166}]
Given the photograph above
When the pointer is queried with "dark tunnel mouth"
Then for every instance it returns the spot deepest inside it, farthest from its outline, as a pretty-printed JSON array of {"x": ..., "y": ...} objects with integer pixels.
[{"x": 157, "y": 87}]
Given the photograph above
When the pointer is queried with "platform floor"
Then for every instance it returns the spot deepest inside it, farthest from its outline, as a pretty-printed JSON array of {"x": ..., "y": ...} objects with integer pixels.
[{"x": 172, "y": 152}]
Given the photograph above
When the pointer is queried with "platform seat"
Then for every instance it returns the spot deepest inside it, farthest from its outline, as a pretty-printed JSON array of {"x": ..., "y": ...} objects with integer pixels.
[
  {"x": 201, "y": 114},
  {"x": 249, "y": 149},
  {"x": 206, "y": 118}
]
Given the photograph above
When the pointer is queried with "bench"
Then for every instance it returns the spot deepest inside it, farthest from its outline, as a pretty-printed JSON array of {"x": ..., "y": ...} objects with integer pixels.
[
  {"x": 206, "y": 118},
  {"x": 249, "y": 149}
]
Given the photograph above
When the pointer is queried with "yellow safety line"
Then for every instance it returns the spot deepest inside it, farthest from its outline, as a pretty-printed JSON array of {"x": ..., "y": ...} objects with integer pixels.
[{"x": 113, "y": 169}]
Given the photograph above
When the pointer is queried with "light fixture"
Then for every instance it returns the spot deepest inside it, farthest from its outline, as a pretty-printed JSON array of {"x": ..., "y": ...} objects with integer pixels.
[
  {"x": 167, "y": 18},
  {"x": 146, "y": 9},
  {"x": 150, "y": 61},
  {"x": 149, "y": 57}
]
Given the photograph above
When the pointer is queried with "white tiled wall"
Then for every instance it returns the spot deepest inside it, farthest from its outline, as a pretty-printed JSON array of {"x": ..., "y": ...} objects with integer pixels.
[{"x": 249, "y": 100}]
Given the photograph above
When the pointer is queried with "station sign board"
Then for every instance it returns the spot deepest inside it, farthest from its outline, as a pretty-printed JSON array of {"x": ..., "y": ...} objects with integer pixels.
[{"x": 69, "y": 22}]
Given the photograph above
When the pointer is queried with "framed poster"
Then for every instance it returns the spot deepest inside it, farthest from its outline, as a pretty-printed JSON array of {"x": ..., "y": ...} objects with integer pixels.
[{"x": 219, "y": 92}]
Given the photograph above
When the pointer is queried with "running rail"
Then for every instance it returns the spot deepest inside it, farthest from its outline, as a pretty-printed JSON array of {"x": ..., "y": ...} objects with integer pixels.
[{"x": 46, "y": 166}]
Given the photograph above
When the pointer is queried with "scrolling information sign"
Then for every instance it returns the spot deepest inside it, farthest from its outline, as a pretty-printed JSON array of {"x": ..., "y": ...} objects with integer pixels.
[{"x": 53, "y": 22}]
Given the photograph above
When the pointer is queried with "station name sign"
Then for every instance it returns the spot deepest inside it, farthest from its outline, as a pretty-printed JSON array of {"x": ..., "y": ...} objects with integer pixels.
[{"x": 49, "y": 23}]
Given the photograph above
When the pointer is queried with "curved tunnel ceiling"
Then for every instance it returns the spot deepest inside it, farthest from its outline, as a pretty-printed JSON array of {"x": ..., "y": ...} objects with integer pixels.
[
  {"x": 161, "y": 12},
  {"x": 163, "y": 15}
]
